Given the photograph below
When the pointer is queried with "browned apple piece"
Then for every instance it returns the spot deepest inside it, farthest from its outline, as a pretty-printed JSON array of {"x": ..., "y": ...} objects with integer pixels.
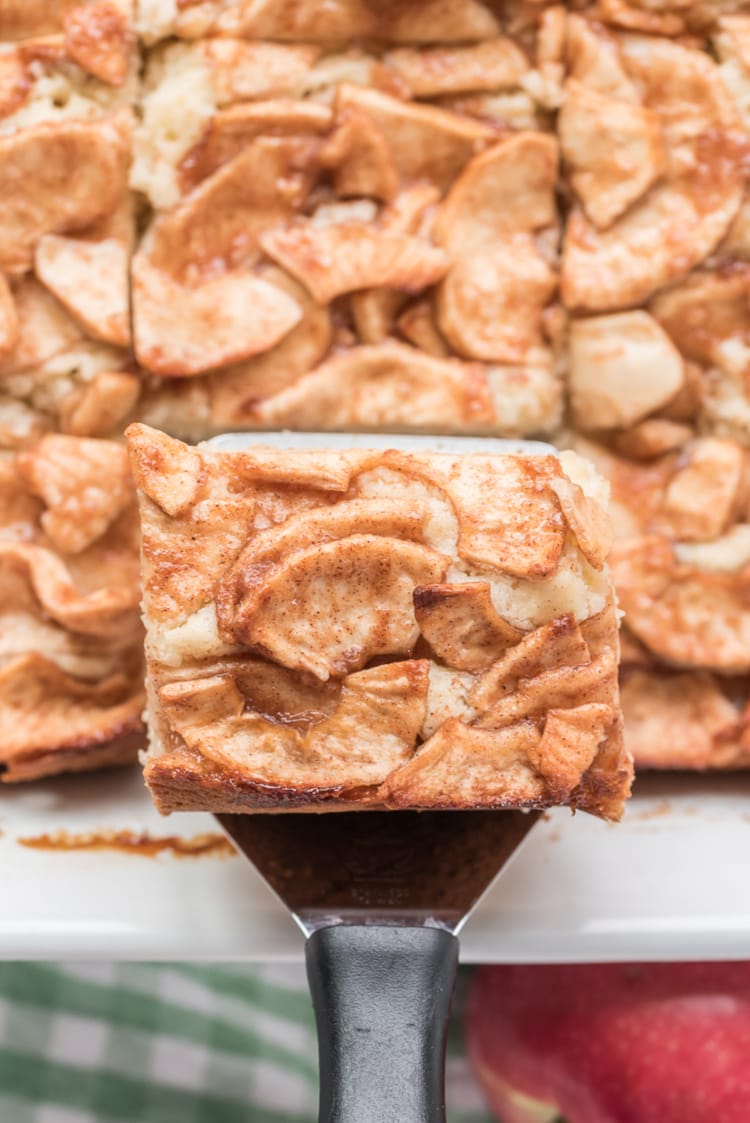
[
  {"x": 85, "y": 484},
  {"x": 705, "y": 494},
  {"x": 174, "y": 492},
  {"x": 15, "y": 83},
  {"x": 671, "y": 229},
  {"x": 509, "y": 188},
  {"x": 182, "y": 329},
  {"x": 98, "y": 38},
  {"x": 708, "y": 317},
  {"x": 44, "y": 327},
  {"x": 374, "y": 310},
  {"x": 436, "y": 21},
  {"x": 651, "y": 246},
  {"x": 521, "y": 764},
  {"x": 688, "y": 614},
  {"x": 653, "y": 437},
  {"x": 48, "y": 715},
  {"x": 575, "y": 671},
  {"x": 223, "y": 218},
  {"x": 587, "y": 519},
  {"x": 388, "y": 384},
  {"x": 417, "y": 324},
  {"x": 426, "y": 143},
  {"x": 420, "y": 489},
  {"x": 461, "y": 766},
  {"x": 609, "y": 178},
  {"x": 549, "y": 648},
  {"x": 594, "y": 59},
  {"x": 344, "y": 20},
  {"x": 308, "y": 613},
  {"x": 682, "y": 720},
  {"x": 495, "y": 64},
  {"x": 9, "y": 330},
  {"x": 622, "y": 368},
  {"x": 671, "y": 20},
  {"x": 24, "y": 19},
  {"x": 91, "y": 280},
  {"x": 237, "y": 596},
  {"x": 103, "y": 612},
  {"x": 361, "y": 160},
  {"x": 373, "y": 729},
  {"x": 490, "y": 304},
  {"x": 508, "y": 517},
  {"x": 461, "y": 625},
  {"x": 569, "y": 745},
  {"x": 241, "y": 70},
  {"x": 90, "y": 158},
  {"x": 98, "y": 407},
  {"x": 234, "y": 393},
  {"x": 331, "y": 260},
  {"x": 230, "y": 131}
]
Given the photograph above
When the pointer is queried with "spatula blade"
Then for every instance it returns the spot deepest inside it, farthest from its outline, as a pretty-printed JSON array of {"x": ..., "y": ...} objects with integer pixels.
[{"x": 372, "y": 867}]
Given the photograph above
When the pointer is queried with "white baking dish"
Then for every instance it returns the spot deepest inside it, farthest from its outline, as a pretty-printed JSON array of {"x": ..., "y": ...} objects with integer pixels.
[{"x": 670, "y": 882}]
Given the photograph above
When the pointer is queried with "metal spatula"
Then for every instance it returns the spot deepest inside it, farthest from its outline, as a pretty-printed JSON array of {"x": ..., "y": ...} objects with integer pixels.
[{"x": 380, "y": 897}]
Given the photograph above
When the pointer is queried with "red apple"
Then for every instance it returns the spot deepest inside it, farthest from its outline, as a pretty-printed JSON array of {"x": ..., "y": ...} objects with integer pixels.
[{"x": 614, "y": 1043}]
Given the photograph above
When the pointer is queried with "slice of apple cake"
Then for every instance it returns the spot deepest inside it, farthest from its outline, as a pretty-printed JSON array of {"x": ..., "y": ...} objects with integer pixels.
[{"x": 377, "y": 629}]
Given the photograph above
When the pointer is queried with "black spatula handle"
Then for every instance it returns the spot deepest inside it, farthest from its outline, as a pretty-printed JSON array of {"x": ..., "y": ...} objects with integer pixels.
[{"x": 382, "y": 997}]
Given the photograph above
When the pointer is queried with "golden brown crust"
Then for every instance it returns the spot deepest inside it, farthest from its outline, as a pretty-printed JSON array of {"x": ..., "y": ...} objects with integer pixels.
[{"x": 298, "y": 661}]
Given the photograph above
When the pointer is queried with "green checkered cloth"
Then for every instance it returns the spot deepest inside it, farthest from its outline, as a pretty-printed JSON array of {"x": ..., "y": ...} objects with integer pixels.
[{"x": 105, "y": 1043}]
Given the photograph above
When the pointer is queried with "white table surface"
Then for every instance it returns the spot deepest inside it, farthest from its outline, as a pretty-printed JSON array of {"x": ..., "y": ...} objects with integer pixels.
[{"x": 670, "y": 882}]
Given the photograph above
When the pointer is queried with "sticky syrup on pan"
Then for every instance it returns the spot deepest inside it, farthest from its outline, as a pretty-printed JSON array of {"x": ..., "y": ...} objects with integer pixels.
[{"x": 134, "y": 842}]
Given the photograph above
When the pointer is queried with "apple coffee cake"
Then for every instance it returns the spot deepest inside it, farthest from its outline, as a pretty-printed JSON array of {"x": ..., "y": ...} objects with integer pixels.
[{"x": 351, "y": 629}]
